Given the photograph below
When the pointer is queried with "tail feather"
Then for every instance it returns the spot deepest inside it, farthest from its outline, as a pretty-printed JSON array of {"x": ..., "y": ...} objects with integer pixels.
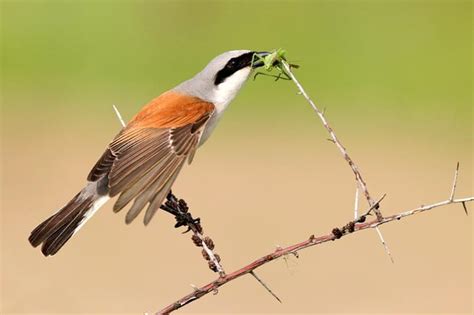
[
  {"x": 37, "y": 236},
  {"x": 55, "y": 231}
]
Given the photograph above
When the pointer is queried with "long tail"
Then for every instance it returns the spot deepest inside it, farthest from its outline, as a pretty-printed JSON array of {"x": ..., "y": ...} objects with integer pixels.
[{"x": 55, "y": 231}]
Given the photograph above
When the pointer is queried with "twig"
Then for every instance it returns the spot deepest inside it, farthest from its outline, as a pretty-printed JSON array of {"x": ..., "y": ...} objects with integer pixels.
[
  {"x": 179, "y": 208},
  {"x": 335, "y": 140},
  {"x": 311, "y": 241},
  {"x": 356, "y": 218},
  {"x": 377, "y": 229}
]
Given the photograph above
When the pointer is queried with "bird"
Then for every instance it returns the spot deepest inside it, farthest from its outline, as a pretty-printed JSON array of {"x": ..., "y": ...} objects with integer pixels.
[{"x": 144, "y": 159}]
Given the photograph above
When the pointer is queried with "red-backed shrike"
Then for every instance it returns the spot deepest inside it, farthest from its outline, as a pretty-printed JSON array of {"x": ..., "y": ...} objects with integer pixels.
[{"x": 144, "y": 159}]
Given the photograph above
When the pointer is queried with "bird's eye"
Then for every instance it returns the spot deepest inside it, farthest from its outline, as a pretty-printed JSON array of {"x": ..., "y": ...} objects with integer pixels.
[{"x": 232, "y": 63}]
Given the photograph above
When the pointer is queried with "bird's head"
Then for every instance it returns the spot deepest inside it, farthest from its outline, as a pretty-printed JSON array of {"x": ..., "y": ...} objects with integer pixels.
[{"x": 223, "y": 76}]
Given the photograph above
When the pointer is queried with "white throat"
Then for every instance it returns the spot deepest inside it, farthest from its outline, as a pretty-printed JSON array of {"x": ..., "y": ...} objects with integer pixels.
[{"x": 225, "y": 92}]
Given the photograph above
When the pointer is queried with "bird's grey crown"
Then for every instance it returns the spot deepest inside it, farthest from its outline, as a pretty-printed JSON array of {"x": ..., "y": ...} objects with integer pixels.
[{"x": 202, "y": 84}]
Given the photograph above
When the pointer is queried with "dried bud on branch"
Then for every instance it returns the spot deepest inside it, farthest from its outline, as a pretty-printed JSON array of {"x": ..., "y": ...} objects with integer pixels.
[
  {"x": 209, "y": 242},
  {"x": 337, "y": 233},
  {"x": 197, "y": 240}
]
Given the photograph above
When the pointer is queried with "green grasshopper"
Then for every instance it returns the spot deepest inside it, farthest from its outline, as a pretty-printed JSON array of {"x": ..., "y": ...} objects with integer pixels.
[{"x": 273, "y": 61}]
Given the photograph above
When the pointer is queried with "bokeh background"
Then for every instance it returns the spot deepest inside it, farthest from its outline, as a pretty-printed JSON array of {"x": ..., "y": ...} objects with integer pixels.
[{"x": 395, "y": 78}]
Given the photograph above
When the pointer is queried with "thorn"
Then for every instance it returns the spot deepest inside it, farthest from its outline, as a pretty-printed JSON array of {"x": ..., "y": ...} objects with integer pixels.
[
  {"x": 356, "y": 203},
  {"x": 453, "y": 190},
  {"x": 119, "y": 116},
  {"x": 196, "y": 289},
  {"x": 375, "y": 205},
  {"x": 465, "y": 207},
  {"x": 331, "y": 140},
  {"x": 387, "y": 250},
  {"x": 265, "y": 286}
]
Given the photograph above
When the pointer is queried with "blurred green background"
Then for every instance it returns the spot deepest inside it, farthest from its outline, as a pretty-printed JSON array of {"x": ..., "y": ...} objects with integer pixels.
[
  {"x": 395, "y": 78},
  {"x": 408, "y": 61}
]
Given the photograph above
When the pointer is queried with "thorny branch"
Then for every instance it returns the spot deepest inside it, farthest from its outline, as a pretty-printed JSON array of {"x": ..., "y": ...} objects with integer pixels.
[
  {"x": 179, "y": 209},
  {"x": 184, "y": 218},
  {"x": 353, "y": 226},
  {"x": 334, "y": 139},
  {"x": 358, "y": 177}
]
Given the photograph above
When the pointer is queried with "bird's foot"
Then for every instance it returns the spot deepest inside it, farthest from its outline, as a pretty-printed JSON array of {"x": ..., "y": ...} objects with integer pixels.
[{"x": 180, "y": 210}]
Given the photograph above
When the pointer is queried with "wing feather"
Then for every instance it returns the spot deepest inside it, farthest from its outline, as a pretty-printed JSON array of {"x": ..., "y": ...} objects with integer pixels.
[
  {"x": 125, "y": 177},
  {"x": 143, "y": 183},
  {"x": 140, "y": 202},
  {"x": 160, "y": 196},
  {"x": 145, "y": 158}
]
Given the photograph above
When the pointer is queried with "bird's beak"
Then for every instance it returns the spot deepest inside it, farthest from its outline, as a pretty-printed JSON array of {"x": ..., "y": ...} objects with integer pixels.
[{"x": 257, "y": 61}]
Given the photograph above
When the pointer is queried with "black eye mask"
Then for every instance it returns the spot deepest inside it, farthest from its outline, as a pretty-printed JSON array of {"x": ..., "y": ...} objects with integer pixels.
[{"x": 234, "y": 65}]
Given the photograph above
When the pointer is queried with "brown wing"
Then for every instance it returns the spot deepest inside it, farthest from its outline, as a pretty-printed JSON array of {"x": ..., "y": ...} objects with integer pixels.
[{"x": 143, "y": 161}]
